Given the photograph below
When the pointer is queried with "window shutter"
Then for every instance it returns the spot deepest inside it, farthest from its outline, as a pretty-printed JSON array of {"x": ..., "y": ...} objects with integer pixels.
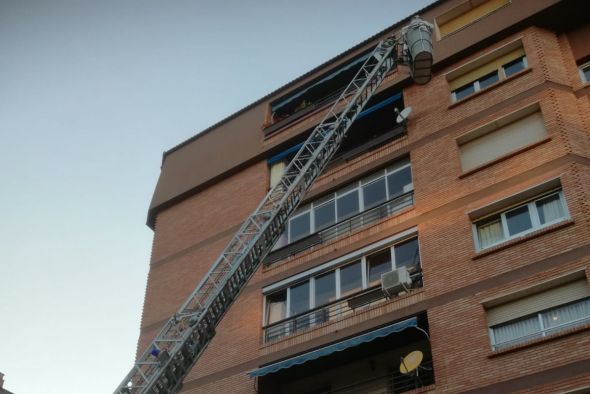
[
  {"x": 276, "y": 171},
  {"x": 501, "y": 141},
  {"x": 556, "y": 296},
  {"x": 473, "y": 12}
]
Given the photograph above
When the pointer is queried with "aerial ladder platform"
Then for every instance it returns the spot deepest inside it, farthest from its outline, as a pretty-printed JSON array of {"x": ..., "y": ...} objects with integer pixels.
[{"x": 165, "y": 363}]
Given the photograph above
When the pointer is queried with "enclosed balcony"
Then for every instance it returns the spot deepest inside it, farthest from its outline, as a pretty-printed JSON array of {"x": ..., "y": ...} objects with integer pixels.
[
  {"x": 338, "y": 292},
  {"x": 351, "y": 207}
]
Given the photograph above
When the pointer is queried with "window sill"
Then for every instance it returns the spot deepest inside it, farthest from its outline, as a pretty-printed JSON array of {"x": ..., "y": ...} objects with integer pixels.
[
  {"x": 523, "y": 238},
  {"x": 504, "y": 157},
  {"x": 537, "y": 341},
  {"x": 491, "y": 87}
]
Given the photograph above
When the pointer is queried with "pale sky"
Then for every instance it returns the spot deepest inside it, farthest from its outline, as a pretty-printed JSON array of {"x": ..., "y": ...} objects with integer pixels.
[{"x": 91, "y": 94}]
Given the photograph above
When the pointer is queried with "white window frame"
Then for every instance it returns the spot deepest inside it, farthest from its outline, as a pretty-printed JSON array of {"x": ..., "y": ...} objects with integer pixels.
[
  {"x": 543, "y": 331},
  {"x": 350, "y": 188},
  {"x": 533, "y": 213},
  {"x": 581, "y": 71},
  {"x": 501, "y": 76},
  {"x": 309, "y": 276}
]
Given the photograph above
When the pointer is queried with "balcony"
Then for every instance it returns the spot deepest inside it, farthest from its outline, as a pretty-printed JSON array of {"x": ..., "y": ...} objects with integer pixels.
[
  {"x": 279, "y": 120},
  {"x": 334, "y": 311},
  {"x": 362, "y": 219},
  {"x": 393, "y": 383},
  {"x": 390, "y": 359}
]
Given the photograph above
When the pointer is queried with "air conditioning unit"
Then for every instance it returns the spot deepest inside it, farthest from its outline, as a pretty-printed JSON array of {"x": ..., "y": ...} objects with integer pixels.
[{"x": 393, "y": 282}]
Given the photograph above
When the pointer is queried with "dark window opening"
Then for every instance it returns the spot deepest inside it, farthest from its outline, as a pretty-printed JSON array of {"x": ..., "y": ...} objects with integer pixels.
[
  {"x": 374, "y": 127},
  {"x": 514, "y": 66},
  {"x": 321, "y": 91},
  {"x": 464, "y": 91},
  {"x": 370, "y": 367},
  {"x": 488, "y": 79}
]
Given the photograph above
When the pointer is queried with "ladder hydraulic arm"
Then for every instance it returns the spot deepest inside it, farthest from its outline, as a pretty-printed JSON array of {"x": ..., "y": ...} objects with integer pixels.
[{"x": 185, "y": 336}]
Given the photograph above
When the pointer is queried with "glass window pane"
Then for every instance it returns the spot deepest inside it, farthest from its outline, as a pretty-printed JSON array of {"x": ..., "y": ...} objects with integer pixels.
[
  {"x": 399, "y": 182},
  {"x": 347, "y": 205},
  {"x": 464, "y": 91},
  {"x": 586, "y": 72},
  {"x": 517, "y": 331},
  {"x": 324, "y": 215},
  {"x": 276, "y": 306},
  {"x": 282, "y": 241},
  {"x": 514, "y": 66},
  {"x": 489, "y": 79},
  {"x": 490, "y": 232},
  {"x": 407, "y": 254},
  {"x": 374, "y": 193},
  {"x": 519, "y": 220},
  {"x": 567, "y": 314},
  {"x": 299, "y": 227},
  {"x": 325, "y": 288},
  {"x": 299, "y": 298},
  {"x": 351, "y": 278},
  {"x": 550, "y": 209},
  {"x": 377, "y": 264}
]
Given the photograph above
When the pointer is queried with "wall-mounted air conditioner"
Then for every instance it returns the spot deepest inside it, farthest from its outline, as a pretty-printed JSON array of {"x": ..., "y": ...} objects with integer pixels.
[{"x": 395, "y": 281}]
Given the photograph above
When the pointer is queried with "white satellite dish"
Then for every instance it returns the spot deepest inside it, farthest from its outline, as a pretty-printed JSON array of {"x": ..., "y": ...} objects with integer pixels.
[{"x": 403, "y": 115}]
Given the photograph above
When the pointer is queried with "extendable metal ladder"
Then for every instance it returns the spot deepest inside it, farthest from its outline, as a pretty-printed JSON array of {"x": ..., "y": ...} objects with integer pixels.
[{"x": 185, "y": 336}]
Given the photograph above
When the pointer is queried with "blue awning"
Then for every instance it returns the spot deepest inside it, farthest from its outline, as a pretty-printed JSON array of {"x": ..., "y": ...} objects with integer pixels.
[
  {"x": 380, "y": 105},
  {"x": 285, "y": 153},
  {"x": 337, "y": 347}
]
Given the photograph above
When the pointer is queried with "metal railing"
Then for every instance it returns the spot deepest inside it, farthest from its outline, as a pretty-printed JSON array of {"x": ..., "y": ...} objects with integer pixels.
[
  {"x": 336, "y": 310},
  {"x": 393, "y": 383},
  {"x": 347, "y": 226},
  {"x": 320, "y": 102}
]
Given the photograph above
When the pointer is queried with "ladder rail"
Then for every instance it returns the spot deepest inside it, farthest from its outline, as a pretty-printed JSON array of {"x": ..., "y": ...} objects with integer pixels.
[{"x": 164, "y": 364}]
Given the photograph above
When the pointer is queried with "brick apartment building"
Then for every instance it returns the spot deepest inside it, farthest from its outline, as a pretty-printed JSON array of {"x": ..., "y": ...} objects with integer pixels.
[
  {"x": 2, "y": 389},
  {"x": 483, "y": 195}
]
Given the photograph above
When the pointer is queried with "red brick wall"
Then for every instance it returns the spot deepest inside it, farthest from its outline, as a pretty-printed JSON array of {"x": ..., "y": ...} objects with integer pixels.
[{"x": 190, "y": 234}]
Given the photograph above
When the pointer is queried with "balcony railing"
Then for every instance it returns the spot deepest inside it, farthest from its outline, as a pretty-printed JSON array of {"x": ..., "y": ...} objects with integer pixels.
[
  {"x": 345, "y": 227},
  {"x": 392, "y": 383},
  {"x": 278, "y": 121},
  {"x": 336, "y": 310}
]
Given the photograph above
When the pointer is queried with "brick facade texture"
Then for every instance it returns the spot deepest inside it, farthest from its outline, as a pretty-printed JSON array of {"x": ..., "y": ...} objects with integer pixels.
[{"x": 190, "y": 234}]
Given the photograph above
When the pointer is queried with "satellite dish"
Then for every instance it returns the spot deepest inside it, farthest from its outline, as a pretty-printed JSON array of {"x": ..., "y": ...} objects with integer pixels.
[
  {"x": 403, "y": 115},
  {"x": 411, "y": 362}
]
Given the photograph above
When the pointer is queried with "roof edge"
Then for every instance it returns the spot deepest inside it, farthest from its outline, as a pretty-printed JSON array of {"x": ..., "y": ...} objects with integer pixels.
[{"x": 298, "y": 79}]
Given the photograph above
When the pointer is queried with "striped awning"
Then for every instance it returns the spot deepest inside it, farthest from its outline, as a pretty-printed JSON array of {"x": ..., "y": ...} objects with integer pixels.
[{"x": 336, "y": 347}]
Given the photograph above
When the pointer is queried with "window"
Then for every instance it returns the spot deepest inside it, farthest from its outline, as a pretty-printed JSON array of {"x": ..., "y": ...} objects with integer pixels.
[
  {"x": 465, "y": 14},
  {"x": 276, "y": 171},
  {"x": 540, "y": 314},
  {"x": 317, "y": 289},
  {"x": 487, "y": 70},
  {"x": 501, "y": 137},
  {"x": 521, "y": 219},
  {"x": 279, "y": 162},
  {"x": 276, "y": 306},
  {"x": 299, "y": 225},
  {"x": 481, "y": 82},
  {"x": 357, "y": 197},
  {"x": 585, "y": 72}
]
